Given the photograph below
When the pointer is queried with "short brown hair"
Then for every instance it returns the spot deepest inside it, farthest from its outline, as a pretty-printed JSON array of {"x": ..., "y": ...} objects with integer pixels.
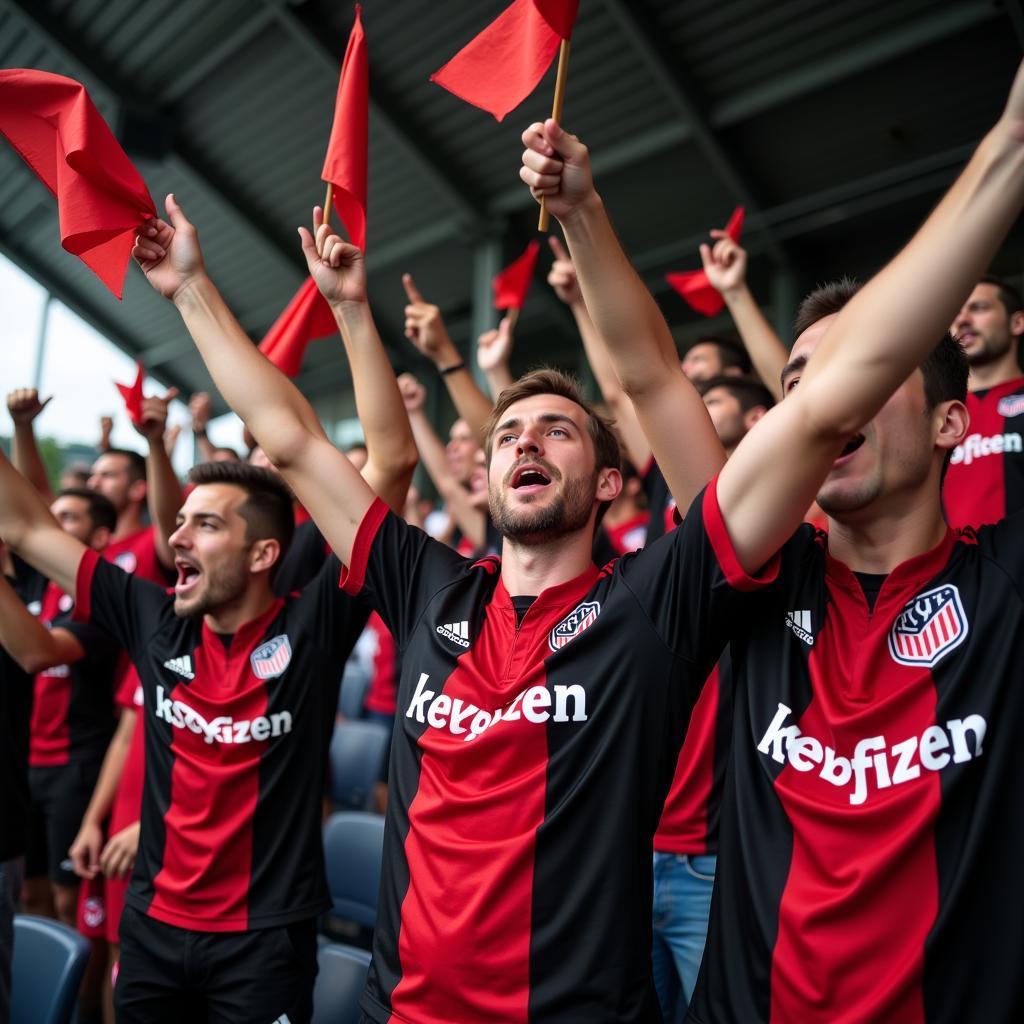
[
  {"x": 267, "y": 509},
  {"x": 101, "y": 511},
  {"x": 547, "y": 381},
  {"x": 1008, "y": 295},
  {"x": 748, "y": 391}
]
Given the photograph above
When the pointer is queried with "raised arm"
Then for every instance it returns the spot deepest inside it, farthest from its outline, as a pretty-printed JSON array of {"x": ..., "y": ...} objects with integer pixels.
[
  {"x": 874, "y": 344},
  {"x": 280, "y": 418},
  {"x": 424, "y": 327},
  {"x": 34, "y": 647},
  {"x": 725, "y": 264},
  {"x": 627, "y": 319},
  {"x": 163, "y": 491},
  {"x": 28, "y": 527},
  {"x": 469, "y": 520},
  {"x": 24, "y": 406},
  {"x": 565, "y": 283},
  {"x": 200, "y": 409}
]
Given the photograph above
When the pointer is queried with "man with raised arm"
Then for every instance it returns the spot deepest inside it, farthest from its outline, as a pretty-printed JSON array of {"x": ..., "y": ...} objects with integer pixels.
[
  {"x": 868, "y": 866},
  {"x": 240, "y": 696}
]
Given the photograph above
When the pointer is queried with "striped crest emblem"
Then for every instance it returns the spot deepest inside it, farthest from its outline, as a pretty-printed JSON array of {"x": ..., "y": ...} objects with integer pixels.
[
  {"x": 1010, "y": 406},
  {"x": 929, "y": 627},
  {"x": 580, "y": 618},
  {"x": 272, "y": 658}
]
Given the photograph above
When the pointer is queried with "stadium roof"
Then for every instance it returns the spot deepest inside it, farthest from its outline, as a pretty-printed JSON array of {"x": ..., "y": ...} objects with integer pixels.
[{"x": 836, "y": 122}]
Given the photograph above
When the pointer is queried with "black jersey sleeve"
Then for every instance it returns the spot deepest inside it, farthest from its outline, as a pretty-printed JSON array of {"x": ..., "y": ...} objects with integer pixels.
[
  {"x": 398, "y": 568},
  {"x": 333, "y": 617},
  {"x": 1003, "y": 543},
  {"x": 129, "y": 608},
  {"x": 690, "y": 582}
]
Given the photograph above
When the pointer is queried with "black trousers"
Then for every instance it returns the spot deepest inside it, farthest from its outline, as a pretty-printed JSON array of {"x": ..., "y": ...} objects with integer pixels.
[{"x": 172, "y": 975}]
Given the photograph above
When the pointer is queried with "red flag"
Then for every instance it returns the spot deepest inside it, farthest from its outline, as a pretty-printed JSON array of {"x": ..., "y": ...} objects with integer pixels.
[
  {"x": 512, "y": 284},
  {"x": 345, "y": 165},
  {"x": 132, "y": 395},
  {"x": 101, "y": 198},
  {"x": 500, "y": 67},
  {"x": 694, "y": 286},
  {"x": 306, "y": 318}
]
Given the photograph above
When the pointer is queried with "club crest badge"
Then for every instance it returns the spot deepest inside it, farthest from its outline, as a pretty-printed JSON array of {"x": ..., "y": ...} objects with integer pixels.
[
  {"x": 127, "y": 561},
  {"x": 269, "y": 660},
  {"x": 580, "y": 618},
  {"x": 1010, "y": 406},
  {"x": 929, "y": 627}
]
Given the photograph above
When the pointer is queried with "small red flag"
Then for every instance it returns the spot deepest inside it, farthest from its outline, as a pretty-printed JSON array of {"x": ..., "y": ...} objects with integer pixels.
[
  {"x": 512, "y": 284},
  {"x": 101, "y": 198},
  {"x": 306, "y": 318},
  {"x": 132, "y": 395},
  {"x": 500, "y": 67},
  {"x": 346, "y": 162},
  {"x": 694, "y": 286}
]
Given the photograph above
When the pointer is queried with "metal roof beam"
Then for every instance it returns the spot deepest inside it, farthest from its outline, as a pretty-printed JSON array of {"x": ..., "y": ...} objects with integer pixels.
[
  {"x": 303, "y": 29},
  {"x": 676, "y": 85},
  {"x": 71, "y": 52}
]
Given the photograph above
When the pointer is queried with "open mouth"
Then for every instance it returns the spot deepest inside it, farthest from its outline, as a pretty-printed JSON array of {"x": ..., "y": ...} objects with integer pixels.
[
  {"x": 851, "y": 446},
  {"x": 529, "y": 478},
  {"x": 188, "y": 576}
]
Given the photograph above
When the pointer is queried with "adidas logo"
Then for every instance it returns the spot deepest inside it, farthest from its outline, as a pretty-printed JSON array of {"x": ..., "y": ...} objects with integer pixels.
[
  {"x": 457, "y": 632},
  {"x": 181, "y": 666},
  {"x": 800, "y": 623}
]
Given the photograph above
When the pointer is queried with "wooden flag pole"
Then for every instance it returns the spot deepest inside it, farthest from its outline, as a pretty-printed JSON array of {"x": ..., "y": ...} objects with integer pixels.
[
  {"x": 556, "y": 112},
  {"x": 513, "y": 317},
  {"x": 328, "y": 199}
]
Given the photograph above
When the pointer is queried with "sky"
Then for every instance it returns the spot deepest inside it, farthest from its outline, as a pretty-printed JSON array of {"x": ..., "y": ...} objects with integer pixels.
[{"x": 79, "y": 369}]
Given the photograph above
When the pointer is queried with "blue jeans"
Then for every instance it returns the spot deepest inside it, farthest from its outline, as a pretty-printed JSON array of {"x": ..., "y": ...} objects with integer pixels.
[
  {"x": 682, "y": 901},
  {"x": 10, "y": 888}
]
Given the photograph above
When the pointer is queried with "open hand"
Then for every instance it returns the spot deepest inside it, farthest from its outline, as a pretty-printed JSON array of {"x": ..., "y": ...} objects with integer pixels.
[
  {"x": 494, "y": 348},
  {"x": 414, "y": 394}
]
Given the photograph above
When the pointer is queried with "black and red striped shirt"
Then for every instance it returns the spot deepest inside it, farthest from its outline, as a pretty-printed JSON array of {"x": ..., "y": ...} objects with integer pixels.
[
  {"x": 73, "y": 705},
  {"x": 871, "y": 841},
  {"x": 985, "y": 479},
  {"x": 529, "y": 769},
  {"x": 237, "y": 733}
]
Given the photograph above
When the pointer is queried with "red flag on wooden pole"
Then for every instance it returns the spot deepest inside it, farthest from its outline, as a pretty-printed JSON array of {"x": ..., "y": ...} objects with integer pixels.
[
  {"x": 101, "y": 198},
  {"x": 132, "y": 395},
  {"x": 694, "y": 286},
  {"x": 501, "y": 66},
  {"x": 306, "y": 318},
  {"x": 346, "y": 162},
  {"x": 512, "y": 283}
]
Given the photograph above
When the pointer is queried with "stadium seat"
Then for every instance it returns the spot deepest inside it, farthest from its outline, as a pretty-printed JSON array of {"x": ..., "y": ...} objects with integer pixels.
[
  {"x": 339, "y": 984},
  {"x": 358, "y": 750},
  {"x": 353, "y": 848},
  {"x": 354, "y": 684},
  {"x": 49, "y": 960}
]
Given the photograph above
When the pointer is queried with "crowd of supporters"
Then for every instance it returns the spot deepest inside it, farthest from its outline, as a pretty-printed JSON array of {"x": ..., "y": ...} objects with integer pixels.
[{"x": 704, "y": 693}]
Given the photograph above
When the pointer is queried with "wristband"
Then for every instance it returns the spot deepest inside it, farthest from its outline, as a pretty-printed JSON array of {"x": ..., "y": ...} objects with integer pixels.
[{"x": 454, "y": 368}]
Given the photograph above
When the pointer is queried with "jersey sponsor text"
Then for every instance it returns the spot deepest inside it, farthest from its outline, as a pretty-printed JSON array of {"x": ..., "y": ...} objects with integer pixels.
[
  {"x": 222, "y": 729},
  {"x": 975, "y": 446},
  {"x": 933, "y": 750},
  {"x": 440, "y": 711}
]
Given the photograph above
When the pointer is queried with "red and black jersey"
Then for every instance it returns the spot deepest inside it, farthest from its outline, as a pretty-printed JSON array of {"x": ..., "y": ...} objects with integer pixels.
[
  {"x": 985, "y": 479},
  {"x": 380, "y": 695},
  {"x": 15, "y": 714},
  {"x": 661, "y": 504},
  {"x": 529, "y": 769},
  {"x": 629, "y": 535},
  {"x": 73, "y": 705},
  {"x": 689, "y": 821},
  {"x": 128, "y": 798},
  {"x": 136, "y": 555},
  {"x": 870, "y": 842},
  {"x": 237, "y": 732}
]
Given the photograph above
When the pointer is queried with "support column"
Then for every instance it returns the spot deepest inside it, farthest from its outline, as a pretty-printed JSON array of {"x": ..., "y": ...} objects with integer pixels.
[{"x": 487, "y": 256}]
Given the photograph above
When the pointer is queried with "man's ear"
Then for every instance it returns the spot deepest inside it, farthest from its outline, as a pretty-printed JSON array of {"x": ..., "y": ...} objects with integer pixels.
[
  {"x": 137, "y": 491},
  {"x": 99, "y": 538},
  {"x": 609, "y": 484},
  {"x": 264, "y": 554},
  {"x": 952, "y": 421}
]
